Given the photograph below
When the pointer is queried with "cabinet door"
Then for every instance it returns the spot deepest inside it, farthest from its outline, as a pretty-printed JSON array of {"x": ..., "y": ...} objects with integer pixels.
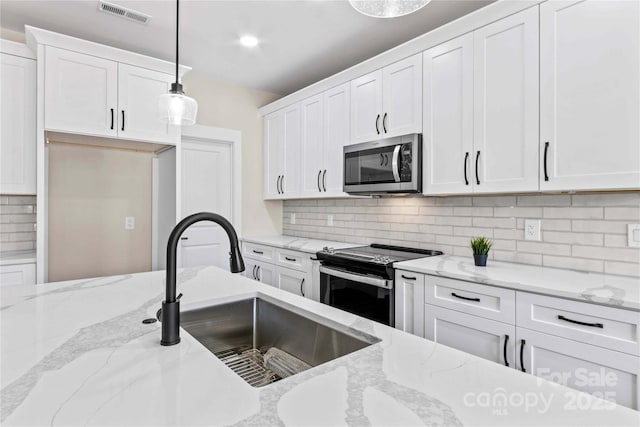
[
  {"x": 81, "y": 93},
  {"x": 294, "y": 281},
  {"x": 18, "y": 274},
  {"x": 273, "y": 154},
  {"x": 448, "y": 117},
  {"x": 409, "y": 302},
  {"x": 291, "y": 181},
  {"x": 18, "y": 125},
  {"x": 481, "y": 337},
  {"x": 250, "y": 269},
  {"x": 366, "y": 107},
  {"x": 402, "y": 97},
  {"x": 506, "y": 104},
  {"x": 138, "y": 92},
  {"x": 601, "y": 372},
  {"x": 312, "y": 145},
  {"x": 266, "y": 273},
  {"x": 336, "y": 136},
  {"x": 590, "y": 95}
]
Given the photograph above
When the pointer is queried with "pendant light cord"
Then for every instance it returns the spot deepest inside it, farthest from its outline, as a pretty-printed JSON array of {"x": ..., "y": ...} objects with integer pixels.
[{"x": 177, "y": 35}]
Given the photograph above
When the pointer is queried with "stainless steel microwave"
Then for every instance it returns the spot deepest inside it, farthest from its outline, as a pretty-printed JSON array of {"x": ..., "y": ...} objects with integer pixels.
[{"x": 391, "y": 165}]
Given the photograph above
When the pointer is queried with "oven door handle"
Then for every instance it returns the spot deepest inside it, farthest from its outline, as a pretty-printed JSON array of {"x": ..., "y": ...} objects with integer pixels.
[
  {"x": 360, "y": 278},
  {"x": 395, "y": 162}
]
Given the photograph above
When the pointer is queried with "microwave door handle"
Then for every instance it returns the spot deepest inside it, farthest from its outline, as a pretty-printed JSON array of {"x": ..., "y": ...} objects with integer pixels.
[{"x": 394, "y": 163}]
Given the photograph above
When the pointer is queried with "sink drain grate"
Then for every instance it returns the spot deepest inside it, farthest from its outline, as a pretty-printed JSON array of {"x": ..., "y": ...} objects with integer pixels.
[{"x": 248, "y": 363}]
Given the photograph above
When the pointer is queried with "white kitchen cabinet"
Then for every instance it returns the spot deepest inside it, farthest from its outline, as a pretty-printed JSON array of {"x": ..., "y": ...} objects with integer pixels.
[
  {"x": 18, "y": 274},
  {"x": 291, "y": 182},
  {"x": 282, "y": 148},
  {"x": 312, "y": 137},
  {"x": 481, "y": 110},
  {"x": 88, "y": 95},
  {"x": 387, "y": 102},
  {"x": 294, "y": 281},
  {"x": 589, "y": 95},
  {"x": 138, "y": 92},
  {"x": 484, "y": 338},
  {"x": 608, "y": 374},
  {"x": 273, "y": 154},
  {"x": 81, "y": 93},
  {"x": 261, "y": 271},
  {"x": 409, "y": 302},
  {"x": 18, "y": 125}
]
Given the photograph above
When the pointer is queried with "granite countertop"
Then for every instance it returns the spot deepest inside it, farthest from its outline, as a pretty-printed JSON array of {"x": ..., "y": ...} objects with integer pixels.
[
  {"x": 604, "y": 289},
  {"x": 77, "y": 353},
  {"x": 17, "y": 257},
  {"x": 298, "y": 243}
]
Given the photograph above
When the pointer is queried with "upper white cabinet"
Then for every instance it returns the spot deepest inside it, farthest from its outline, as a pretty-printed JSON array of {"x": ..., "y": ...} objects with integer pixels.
[
  {"x": 481, "y": 110},
  {"x": 312, "y": 141},
  {"x": 17, "y": 126},
  {"x": 387, "y": 102},
  {"x": 88, "y": 95},
  {"x": 273, "y": 154},
  {"x": 590, "y": 95},
  {"x": 282, "y": 148}
]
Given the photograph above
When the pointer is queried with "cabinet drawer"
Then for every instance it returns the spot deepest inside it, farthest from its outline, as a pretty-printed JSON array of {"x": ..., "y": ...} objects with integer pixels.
[
  {"x": 291, "y": 259},
  {"x": 480, "y": 300},
  {"x": 19, "y": 274},
  {"x": 607, "y": 327},
  {"x": 259, "y": 252}
]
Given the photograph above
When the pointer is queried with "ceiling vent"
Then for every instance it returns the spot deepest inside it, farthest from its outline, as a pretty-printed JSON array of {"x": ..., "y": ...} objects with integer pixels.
[{"x": 124, "y": 12}]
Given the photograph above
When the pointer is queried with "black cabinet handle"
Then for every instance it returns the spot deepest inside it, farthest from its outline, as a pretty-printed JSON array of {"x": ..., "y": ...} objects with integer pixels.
[
  {"x": 282, "y": 184},
  {"x": 384, "y": 123},
  {"x": 112, "y": 118},
  {"x": 377, "y": 120},
  {"x": 324, "y": 180},
  {"x": 302, "y": 288},
  {"x": 254, "y": 272},
  {"x": 477, "y": 159},
  {"x": 577, "y": 322},
  {"x": 290, "y": 259},
  {"x": 466, "y": 179},
  {"x": 279, "y": 184},
  {"x": 546, "y": 151},
  {"x": 257, "y": 252},
  {"x": 504, "y": 350},
  {"x": 465, "y": 298},
  {"x": 184, "y": 238},
  {"x": 522, "y": 342},
  {"x": 258, "y": 274},
  {"x": 123, "y": 120},
  {"x": 407, "y": 277}
]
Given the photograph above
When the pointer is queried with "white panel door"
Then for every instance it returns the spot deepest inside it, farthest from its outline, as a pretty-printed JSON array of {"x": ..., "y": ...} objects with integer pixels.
[
  {"x": 206, "y": 187},
  {"x": 481, "y": 337},
  {"x": 590, "y": 95},
  {"x": 81, "y": 93},
  {"x": 18, "y": 125},
  {"x": 402, "y": 97},
  {"x": 138, "y": 92},
  {"x": 291, "y": 181},
  {"x": 336, "y": 136},
  {"x": 293, "y": 281},
  {"x": 366, "y": 107},
  {"x": 273, "y": 154},
  {"x": 250, "y": 269},
  {"x": 312, "y": 111},
  {"x": 448, "y": 117},
  {"x": 266, "y": 273},
  {"x": 506, "y": 104},
  {"x": 608, "y": 374}
]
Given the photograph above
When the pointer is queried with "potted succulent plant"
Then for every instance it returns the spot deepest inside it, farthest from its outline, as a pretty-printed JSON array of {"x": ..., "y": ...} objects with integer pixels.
[{"x": 481, "y": 247}]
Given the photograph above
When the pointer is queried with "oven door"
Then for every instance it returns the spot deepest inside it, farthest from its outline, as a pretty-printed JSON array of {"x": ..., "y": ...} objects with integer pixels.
[{"x": 365, "y": 295}]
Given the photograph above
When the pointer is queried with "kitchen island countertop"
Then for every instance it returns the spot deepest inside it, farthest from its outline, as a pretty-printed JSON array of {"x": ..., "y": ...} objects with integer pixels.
[{"x": 77, "y": 353}]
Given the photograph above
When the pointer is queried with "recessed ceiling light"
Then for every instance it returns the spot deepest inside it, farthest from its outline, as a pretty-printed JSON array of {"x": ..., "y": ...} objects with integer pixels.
[{"x": 249, "y": 41}]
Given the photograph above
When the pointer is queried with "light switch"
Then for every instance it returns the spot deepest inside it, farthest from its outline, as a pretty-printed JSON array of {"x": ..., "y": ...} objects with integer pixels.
[
  {"x": 129, "y": 222},
  {"x": 633, "y": 235},
  {"x": 532, "y": 229}
]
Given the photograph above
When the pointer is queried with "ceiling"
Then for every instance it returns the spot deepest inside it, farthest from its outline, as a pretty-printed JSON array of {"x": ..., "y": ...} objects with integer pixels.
[{"x": 301, "y": 41}]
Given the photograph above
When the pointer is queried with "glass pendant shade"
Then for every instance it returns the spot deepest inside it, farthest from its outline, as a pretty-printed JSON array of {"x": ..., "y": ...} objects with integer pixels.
[
  {"x": 177, "y": 109},
  {"x": 387, "y": 8}
]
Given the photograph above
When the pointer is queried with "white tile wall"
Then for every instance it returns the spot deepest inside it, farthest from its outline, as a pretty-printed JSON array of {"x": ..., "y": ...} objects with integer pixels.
[
  {"x": 17, "y": 223},
  {"x": 584, "y": 231}
]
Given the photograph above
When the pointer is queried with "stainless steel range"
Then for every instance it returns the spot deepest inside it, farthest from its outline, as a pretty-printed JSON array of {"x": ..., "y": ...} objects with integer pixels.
[{"x": 360, "y": 280}]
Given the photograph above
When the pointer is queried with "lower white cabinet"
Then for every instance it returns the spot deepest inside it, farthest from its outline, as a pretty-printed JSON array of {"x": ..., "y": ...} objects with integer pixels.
[
  {"x": 261, "y": 271},
  {"x": 18, "y": 274},
  {"x": 484, "y": 338},
  {"x": 296, "y": 282},
  {"x": 608, "y": 374}
]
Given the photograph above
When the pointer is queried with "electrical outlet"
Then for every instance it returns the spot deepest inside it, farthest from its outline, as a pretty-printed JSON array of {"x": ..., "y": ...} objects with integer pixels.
[
  {"x": 633, "y": 235},
  {"x": 129, "y": 223},
  {"x": 293, "y": 219},
  {"x": 532, "y": 229},
  {"x": 330, "y": 220}
]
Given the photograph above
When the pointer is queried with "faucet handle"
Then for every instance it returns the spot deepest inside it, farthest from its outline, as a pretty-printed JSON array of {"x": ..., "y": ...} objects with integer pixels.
[{"x": 179, "y": 296}]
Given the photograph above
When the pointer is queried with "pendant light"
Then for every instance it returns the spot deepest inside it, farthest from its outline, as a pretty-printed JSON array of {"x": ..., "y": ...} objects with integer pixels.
[
  {"x": 387, "y": 8},
  {"x": 175, "y": 107}
]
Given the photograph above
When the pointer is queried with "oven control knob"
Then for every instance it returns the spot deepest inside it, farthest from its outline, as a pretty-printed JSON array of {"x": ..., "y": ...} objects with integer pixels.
[
  {"x": 385, "y": 260},
  {"x": 328, "y": 250}
]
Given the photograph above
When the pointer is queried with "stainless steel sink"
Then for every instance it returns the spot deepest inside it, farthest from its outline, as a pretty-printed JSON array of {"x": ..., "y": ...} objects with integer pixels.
[{"x": 241, "y": 332}]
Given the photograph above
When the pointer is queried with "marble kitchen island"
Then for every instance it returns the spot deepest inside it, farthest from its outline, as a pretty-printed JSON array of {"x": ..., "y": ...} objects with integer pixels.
[{"x": 77, "y": 353}]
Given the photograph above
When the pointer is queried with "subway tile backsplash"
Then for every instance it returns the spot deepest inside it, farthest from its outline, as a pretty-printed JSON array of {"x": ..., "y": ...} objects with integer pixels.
[
  {"x": 17, "y": 223},
  {"x": 583, "y": 231}
]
